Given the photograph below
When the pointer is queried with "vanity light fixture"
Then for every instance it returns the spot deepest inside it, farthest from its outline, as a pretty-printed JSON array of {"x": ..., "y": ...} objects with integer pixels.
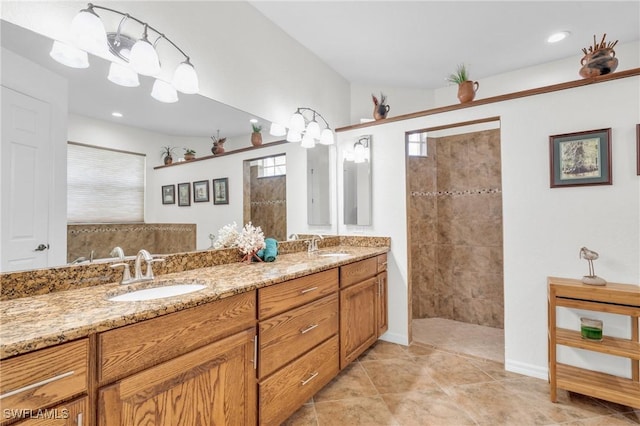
[
  {"x": 305, "y": 130},
  {"x": 129, "y": 57},
  {"x": 360, "y": 151}
]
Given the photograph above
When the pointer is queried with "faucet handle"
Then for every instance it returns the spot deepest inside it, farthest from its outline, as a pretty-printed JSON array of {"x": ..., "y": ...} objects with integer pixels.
[
  {"x": 126, "y": 273},
  {"x": 149, "y": 273}
]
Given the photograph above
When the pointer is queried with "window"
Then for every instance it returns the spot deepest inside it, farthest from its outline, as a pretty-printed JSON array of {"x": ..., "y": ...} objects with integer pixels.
[
  {"x": 104, "y": 185},
  {"x": 417, "y": 144},
  {"x": 271, "y": 166}
]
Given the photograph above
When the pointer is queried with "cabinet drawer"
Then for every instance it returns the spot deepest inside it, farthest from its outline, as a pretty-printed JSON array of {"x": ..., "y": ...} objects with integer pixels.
[
  {"x": 358, "y": 271},
  {"x": 72, "y": 413},
  {"x": 382, "y": 262},
  {"x": 135, "y": 347},
  {"x": 41, "y": 378},
  {"x": 281, "y": 297},
  {"x": 285, "y": 391},
  {"x": 286, "y": 336}
]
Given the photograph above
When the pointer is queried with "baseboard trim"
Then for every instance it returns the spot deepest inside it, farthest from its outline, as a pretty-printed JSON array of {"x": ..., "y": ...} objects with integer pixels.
[{"x": 527, "y": 369}]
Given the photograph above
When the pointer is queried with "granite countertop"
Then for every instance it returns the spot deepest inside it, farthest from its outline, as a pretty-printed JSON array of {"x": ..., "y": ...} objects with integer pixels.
[{"x": 37, "y": 322}]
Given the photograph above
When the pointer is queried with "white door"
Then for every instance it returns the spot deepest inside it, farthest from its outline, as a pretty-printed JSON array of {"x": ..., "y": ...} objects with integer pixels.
[{"x": 25, "y": 174}]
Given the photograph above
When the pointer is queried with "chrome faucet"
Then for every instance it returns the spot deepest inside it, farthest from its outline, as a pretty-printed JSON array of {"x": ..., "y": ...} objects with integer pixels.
[
  {"x": 143, "y": 255},
  {"x": 293, "y": 237},
  {"x": 313, "y": 243},
  {"x": 117, "y": 252}
]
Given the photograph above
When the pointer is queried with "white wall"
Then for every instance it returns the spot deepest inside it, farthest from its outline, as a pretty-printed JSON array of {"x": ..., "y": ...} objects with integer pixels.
[
  {"x": 31, "y": 79},
  {"x": 543, "y": 228},
  {"x": 402, "y": 100},
  {"x": 242, "y": 59}
]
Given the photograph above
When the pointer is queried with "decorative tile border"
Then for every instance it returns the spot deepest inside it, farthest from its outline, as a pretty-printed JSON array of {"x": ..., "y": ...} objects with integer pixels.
[
  {"x": 268, "y": 203},
  {"x": 481, "y": 191},
  {"x": 89, "y": 229}
]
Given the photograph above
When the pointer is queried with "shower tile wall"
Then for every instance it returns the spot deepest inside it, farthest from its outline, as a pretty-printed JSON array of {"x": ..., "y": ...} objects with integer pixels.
[
  {"x": 455, "y": 212},
  {"x": 269, "y": 205}
]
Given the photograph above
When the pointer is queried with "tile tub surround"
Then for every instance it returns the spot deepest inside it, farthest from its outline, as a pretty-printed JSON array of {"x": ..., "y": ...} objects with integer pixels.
[
  {"x": 36, "y": 322},
  {"x": 43, "y": 281},
  {"x": 131, "y": 237}
]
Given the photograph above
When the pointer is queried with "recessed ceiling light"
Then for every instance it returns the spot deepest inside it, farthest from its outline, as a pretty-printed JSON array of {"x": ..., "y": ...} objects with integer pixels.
[
  {"x": 556, "y": 37},
  {"x": 253, "y": 120},
  {"x": 117, "y": 114}
]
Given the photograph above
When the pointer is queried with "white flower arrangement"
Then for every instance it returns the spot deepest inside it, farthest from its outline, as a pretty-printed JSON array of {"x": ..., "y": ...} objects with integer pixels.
[
  {"x": 250, "y": 240},
  {"x": 227, "y": 236}
]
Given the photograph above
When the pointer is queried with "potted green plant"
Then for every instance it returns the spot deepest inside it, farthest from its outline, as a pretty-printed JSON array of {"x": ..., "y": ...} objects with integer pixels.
[
  {"x": 256, "y": 136},
  {"x": 167, "y": 154},
  {"x": 466, "y": 88},
  {"x": 189, "y": 154}
]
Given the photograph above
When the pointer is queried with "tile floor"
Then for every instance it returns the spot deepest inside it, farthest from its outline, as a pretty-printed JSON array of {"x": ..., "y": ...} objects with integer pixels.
[{"x": 424, "y": 384}]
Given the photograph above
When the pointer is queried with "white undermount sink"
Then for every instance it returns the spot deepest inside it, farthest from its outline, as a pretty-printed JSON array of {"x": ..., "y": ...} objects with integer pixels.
[
  {"x": 336, "y": 254},
  {"x": 157, "y": 292}
]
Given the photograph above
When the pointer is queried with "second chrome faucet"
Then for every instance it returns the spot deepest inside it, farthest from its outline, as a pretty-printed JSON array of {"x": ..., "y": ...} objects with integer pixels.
[{"x": 143, "y": 255}]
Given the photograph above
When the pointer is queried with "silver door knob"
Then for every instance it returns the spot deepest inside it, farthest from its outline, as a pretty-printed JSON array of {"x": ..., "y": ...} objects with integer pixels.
[{"x": 42, "y": 247}]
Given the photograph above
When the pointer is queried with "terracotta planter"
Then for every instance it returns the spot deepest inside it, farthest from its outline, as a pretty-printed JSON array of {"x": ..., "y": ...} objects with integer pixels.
[
  {"x": 380, "y": 111},
  {"x": 256, "y": 138},
  {"x": 168, "y": 160},
  {"x": 467, "y": 91},
  {"x": 602, "y": 61},
  {"x": 218, "y": 148},
  {"x": 189, "y": 157}
]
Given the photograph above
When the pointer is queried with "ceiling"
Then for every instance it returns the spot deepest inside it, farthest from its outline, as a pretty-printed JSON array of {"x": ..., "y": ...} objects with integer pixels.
[{"x": 417, "y": 44}]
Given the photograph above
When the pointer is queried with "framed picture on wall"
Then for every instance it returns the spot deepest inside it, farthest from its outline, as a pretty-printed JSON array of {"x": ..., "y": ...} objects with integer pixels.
[
  {"x": 184, "y": 194},
  {"x": 581, "y": 158},
  {"x": 168, "y": 194},
  {"x": 201, "y": 191},
  {"x": 221, "y": 191},
  {"x": 638, "y": 149}
]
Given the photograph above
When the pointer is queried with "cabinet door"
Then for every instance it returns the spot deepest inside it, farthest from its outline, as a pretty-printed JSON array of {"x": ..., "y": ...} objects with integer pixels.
[
  {"x": 382, "y": 304},
  {"x": 73, "y": 413},
  {"x": 358, "y": 328},
  {"x": 212, "y": 385}
]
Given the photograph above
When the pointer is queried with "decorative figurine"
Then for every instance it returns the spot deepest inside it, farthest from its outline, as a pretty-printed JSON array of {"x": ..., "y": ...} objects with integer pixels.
[
  {"x": 592, "y": 278},
  {"x": 380, "y": 107}
]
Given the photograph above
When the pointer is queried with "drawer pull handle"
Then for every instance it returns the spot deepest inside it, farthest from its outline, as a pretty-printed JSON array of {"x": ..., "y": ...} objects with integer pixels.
[
  {"x": 313, "y": 376},
  {"x": 37, "y": 384},
  {"x": 307, "y": 290},
  {"x": 383, "y": 264},
  {"x": 308, "y": 329}
]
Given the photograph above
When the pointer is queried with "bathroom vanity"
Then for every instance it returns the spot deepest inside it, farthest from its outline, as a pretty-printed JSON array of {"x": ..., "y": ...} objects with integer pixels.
[{"x": 251, "y": 348}]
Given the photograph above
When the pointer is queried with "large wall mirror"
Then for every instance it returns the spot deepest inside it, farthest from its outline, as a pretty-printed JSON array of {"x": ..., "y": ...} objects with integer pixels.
[
  {"x": 190, "y": 122},
  {"x": 357, "y": 182}
]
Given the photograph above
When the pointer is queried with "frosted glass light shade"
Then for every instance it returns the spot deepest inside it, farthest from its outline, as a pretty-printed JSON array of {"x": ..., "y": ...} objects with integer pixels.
[
  {"x": 144, "y": 58},
  {"x": 164, "y": 92},
  {"x": 277, "y": 130},
  {"x": 123, "y": 75},
  {"x": 313, "y": 130},
  {"x": 296, "y": 123},
  {"x": 88, "y": 33},
  {"x": 185, "y": 78},
  {"x": 69, "y": 55},
  {"x": 308, "y": 141},
  {"x": 293, "y": 136},
  {"x": 326, "y": 138}
]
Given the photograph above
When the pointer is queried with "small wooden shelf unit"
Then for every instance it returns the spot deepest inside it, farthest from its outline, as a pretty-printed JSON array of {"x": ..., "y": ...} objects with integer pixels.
[{"x": 621, "y": 299}]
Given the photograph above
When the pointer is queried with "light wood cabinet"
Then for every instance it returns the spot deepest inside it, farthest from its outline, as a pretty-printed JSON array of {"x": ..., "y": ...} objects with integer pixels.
[
  {"x": 621, "y": 299},
  {"x": 214, "y": 384},
  {"x": 298, "y": 342},
  {"x": 72, "y": 413},
  {"x": 43, "y": 378},
  {"x": 363, "y": 306},
  {"x": 195, "y": 366}
]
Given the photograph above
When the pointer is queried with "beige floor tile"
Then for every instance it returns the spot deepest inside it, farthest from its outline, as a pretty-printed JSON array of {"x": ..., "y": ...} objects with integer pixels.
[
  {"x": 384, "y": 350},
  {"x": 424, "y": 408},
  {"x": 398, "y": 375},
  {"x": 612, "y": 420},
  {"x": 367, "y": 411},
  {"x": 352, "y": 382},
  {"x": 448, "y": 369},
  {"x": 305, "y": 416}
]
